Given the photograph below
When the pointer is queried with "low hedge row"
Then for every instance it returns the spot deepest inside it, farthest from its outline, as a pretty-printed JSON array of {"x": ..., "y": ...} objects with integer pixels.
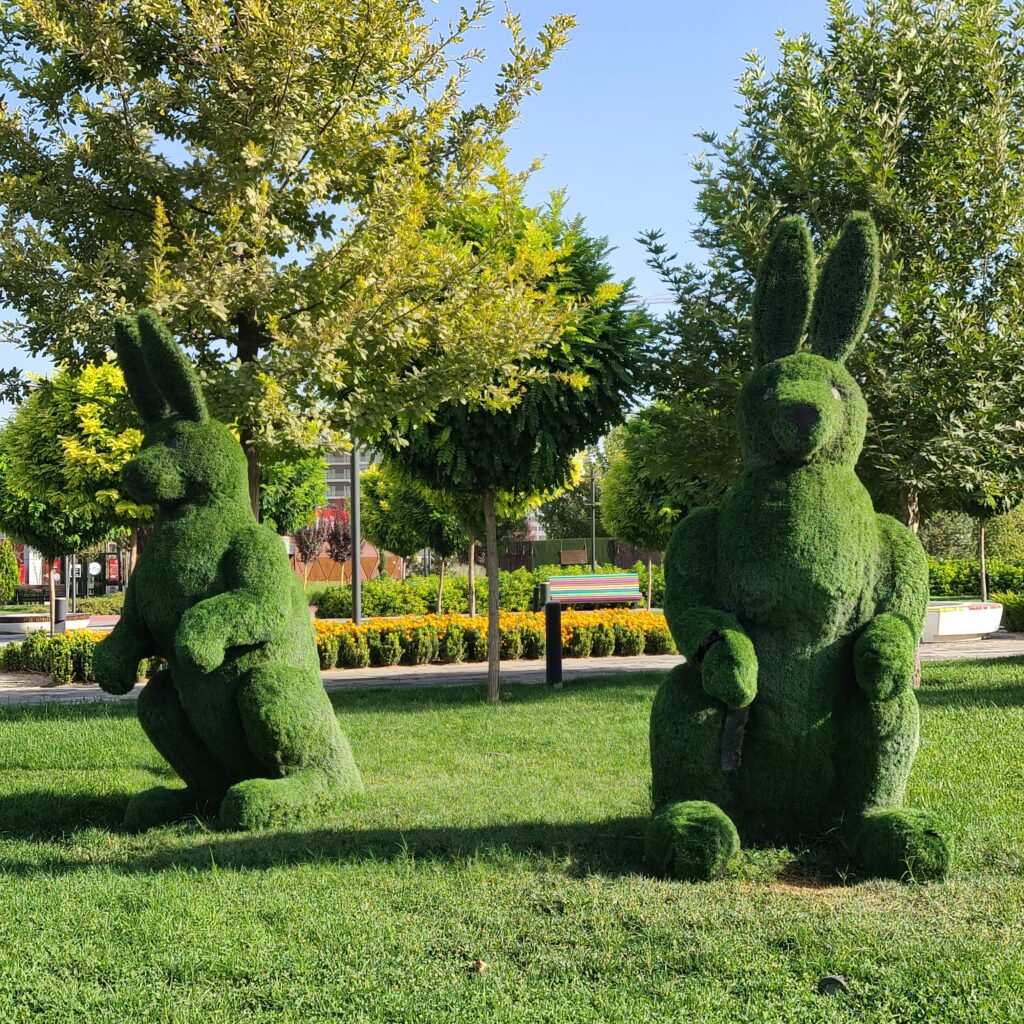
[
  {"x": 65, "y": 658},
  {"x": 450, "y": 639},
  {"x": 1013, "y": 609},
  {"x": 417, "y": 595},
  {"x": 956, "y": 577},
  {"x": 408, "y": 640}
]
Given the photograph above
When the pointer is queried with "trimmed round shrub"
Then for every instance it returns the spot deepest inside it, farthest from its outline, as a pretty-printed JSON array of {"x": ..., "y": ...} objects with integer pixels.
[
  {"x": 333, "y": 602},
  {"x": 580, "y": 642},
  {"x": 659, "y": 641},
  {"x": 419, "y": 645},
  {"x": 903, "y": 844},
  {"x": 353, "y": 651},
  {"x": 602, "y": 640},
  {"x": 385, "y": 647},
  {"x": 534, "y": 642},
  {"x": 327, "y": 649},
  {"x": 476, "y": 644},
  {"x": 692, "y": 841},
  {"x": 82, "y": 648},
  {"x": 452, "y": 645},
  {"x": 1013, "y": 610},
  {"x": 511, "y": 643},
  {"x": 10, "y": 575},
  {"x": 62, "y": 666},
  {"x": 629, "y": 640}
]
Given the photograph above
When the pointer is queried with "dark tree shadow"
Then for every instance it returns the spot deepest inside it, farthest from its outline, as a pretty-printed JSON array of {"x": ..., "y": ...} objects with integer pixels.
[
  {"x": 1009, "y": 696},
  {"x": 44, "y": 815}
]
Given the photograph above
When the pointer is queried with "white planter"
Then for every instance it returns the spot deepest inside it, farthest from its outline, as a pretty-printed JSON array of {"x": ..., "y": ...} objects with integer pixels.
[
  {"x": 960, "y": 620},
  {"x": 33, "y": 623}
]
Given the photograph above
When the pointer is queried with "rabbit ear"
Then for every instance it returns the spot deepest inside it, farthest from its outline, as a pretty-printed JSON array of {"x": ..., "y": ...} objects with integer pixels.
[
  {"x": 782, "y": 298},
  {"x": 170, "y": 369},
  {"x": 846, "y": 290},
  {"x": 144, "y": 395}
]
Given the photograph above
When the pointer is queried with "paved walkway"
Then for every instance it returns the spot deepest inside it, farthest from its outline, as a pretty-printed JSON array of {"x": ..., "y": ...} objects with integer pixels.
[{"x": 29, "y": 688}]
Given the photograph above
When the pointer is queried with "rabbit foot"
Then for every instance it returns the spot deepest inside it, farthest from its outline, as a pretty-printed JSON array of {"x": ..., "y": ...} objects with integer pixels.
[
  {"x": 160, "y": 806},
  {"x": 265, "y": 803},
  {"x": 692, "y": 841},
  {"x": 904, "y": 844}
]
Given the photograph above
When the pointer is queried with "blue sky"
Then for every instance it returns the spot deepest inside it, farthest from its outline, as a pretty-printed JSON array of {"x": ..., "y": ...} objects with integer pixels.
[{"x": 616, "y": 119}]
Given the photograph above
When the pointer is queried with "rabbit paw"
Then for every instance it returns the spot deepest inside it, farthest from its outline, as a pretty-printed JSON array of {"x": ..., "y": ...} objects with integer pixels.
[
  {"x": 112, "y": 673},
  {"x": 729, "y": 669},
  {"x": 883, "y": 657},
  {"x": 198, "y": 643}
]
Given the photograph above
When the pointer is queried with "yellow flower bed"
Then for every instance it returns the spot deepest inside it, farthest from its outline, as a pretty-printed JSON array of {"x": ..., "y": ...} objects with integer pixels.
[{"x": 415, "y": 639}]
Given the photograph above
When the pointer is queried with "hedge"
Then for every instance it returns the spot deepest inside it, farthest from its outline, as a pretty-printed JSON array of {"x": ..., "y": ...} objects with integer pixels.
[
  {"x": 417, "y": 595},
  {"x": 417, "y": 640},
  {"x": 1013, "y": 610},
  {"x": 956, "y": 577},
  {"x": 407, "y": 640}
]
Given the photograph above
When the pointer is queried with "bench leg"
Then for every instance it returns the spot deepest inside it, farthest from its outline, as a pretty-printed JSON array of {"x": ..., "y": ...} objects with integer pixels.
[{"x": 553, "y": 647}]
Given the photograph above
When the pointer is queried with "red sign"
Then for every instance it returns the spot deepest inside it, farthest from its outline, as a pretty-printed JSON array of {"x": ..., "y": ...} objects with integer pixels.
[{"x": 113, "y": 569}]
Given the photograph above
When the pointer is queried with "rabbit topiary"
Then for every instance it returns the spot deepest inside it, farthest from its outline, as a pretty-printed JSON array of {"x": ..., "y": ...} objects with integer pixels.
[
  {"x": 797, "y": 606},
  {"x": 238, "y": 709}
]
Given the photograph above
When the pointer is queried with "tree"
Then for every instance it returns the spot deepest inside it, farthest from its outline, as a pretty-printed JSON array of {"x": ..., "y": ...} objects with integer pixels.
[
  {"x": 638, "y": 506},
  {"x": 402, "y": 516},
  {"x": 52, "y": 529},
  {"x": 568, "y": 515},
  {"x": 339, "y": 535},
  {"x": 272, "y": 180},
  {"x": 582, "y": 388},
  {"x": 67, "y": 443},
  {"x": 911, "y": 111},
  {"x": 292, "y": 491},
  {"x": 9, "y": 573},
  {"x": 310, "y": 542}
]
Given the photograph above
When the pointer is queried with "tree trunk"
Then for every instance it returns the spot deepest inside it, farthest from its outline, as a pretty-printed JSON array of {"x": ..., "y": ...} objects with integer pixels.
[
  {"x": 472, "y": 575},
  {"x": 981, "y": 559},
  {"x": 252, "y": 462},
  {"x": 910, "y": 509},
  {"x": 440, "y": 586},
  {"x": 133, "y": 553},
  {"x": 493, "y": 630},
  {"x": 53, "y": 600},
  {"x": 650, "y": 578}
]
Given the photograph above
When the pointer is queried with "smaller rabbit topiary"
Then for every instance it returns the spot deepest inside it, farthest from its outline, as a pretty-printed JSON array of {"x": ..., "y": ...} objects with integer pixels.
[
  {"x": 798, "y": 607},
  {"x": 238, "y": 710}
]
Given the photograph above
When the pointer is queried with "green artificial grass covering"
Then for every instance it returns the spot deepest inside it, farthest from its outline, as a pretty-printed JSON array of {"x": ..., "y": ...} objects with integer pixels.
[
  {"x": 510, "y": 834},
  {"x": 239, "y": 711},
  {"x": 792, "y": 599}
]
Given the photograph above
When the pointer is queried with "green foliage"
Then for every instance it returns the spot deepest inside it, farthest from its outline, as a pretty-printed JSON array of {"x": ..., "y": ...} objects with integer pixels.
[
  {"x": 902, "y": 110},
  {"x": 638, "y": 505},
  {"x": 958, "y": 577},
  {"x": 1004, "y": 536},
  {"x": 402, "y": 516},
  {"x": 10, "y": 575},
  {"x": 292, "y": 491},
  {"x": 67, "y": 443},
  {"x": 792, "y": 597},
  {"x": 238, "y": 710},
  {"x": 950, "y": 535},
  {"x": 1013, "y": 609},
  {"x": 274, "y": 181},
  {"x": 568, "y": 514},
  {"x": 692, "y": 841}
]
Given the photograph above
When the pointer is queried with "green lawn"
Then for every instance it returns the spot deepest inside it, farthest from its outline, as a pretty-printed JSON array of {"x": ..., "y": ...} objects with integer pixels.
[{"x": 508, "y": 834}]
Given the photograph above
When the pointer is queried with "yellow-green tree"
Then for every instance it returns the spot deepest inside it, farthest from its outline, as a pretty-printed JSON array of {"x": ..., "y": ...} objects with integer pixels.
[{"x": 273, "y": 179}]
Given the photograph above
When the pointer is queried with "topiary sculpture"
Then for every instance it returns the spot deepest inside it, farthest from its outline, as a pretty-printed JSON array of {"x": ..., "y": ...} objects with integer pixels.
[
  {"x": 797, "y": 606},
  {"x": 239, "y": 710}
]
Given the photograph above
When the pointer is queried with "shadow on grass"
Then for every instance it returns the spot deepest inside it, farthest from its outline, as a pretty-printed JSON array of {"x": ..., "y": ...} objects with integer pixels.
[
  {"x": 972, "y": 697},
  {"x": 42, "y": 815}
]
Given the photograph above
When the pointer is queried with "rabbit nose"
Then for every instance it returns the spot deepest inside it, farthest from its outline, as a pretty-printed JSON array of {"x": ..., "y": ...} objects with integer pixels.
[{"x": 803, "y": 415}]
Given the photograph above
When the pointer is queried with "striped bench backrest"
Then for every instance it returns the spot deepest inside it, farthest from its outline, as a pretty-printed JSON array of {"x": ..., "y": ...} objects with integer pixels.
[{"x": 597, "y": 589}]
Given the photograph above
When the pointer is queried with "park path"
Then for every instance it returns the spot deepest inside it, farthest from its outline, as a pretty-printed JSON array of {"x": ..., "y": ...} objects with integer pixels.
[{"x": 30, "y": 688}]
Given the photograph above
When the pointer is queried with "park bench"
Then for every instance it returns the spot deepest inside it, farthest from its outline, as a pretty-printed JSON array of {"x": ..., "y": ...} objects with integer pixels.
[{"x": 596, "y": 588}]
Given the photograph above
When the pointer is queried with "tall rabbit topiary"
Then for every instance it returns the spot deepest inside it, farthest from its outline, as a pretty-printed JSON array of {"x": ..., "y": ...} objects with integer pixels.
[
  {"x": 797, "y": 606},
  {"x": 238, "y": 710}
]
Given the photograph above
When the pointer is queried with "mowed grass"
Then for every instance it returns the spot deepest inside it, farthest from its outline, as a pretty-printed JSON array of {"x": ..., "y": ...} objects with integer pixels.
[{"x": 508, "y": 835}]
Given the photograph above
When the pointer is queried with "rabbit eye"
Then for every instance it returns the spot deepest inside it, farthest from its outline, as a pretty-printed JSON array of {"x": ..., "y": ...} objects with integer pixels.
[
  {"x": 768, "y": 393},
  {"x": 836, "y": 393}
]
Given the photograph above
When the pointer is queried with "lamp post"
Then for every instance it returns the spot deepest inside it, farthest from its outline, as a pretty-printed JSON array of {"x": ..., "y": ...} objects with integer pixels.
[
  {"x": 357, "y": 540},
  {"x": 593, "y": 513}
]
